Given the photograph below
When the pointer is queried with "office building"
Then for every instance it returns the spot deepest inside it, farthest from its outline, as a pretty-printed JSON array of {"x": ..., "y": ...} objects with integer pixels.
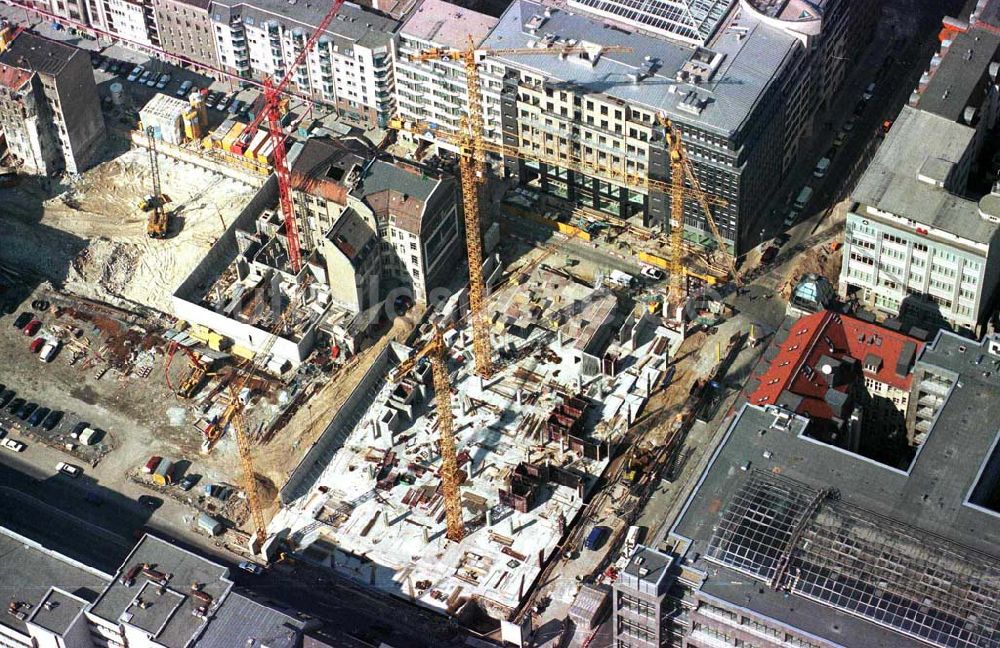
[
  {"x": 434, "y": 92},
  {"x": 787, "y": 541},
  {"x": 185, "y": 28},
  {"x": 830, "y": 32},
  {"x": 640, "y": 603},
  {"x": 602, "y": 109},
  {"x": 49, "y": 108},
  {"x": 914, "y": 247},
  {"x": 350, "y": 68}
]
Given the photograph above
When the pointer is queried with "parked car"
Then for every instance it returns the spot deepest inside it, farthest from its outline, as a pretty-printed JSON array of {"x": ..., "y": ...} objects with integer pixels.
[
  {"x": 49, "y": 351},
  {"x": 791, "y": 218},
  {"x": 184, "y": 89},
  {"x": 821, "y": 168},
  {"x": 36, "y": 344},
  {"x": 96, "y": 60},
  {"x": 15, "y": 405},
  {"x": 32, "y": 327},
  {"x": 26, "y": 410},
  {"x": 38, "y": 416},
  {"x": 69, "y": 469},
  {"x": 106, "y": 64},
  {"x": 12, "y": 445},
  {"x": 188, "y": 482},
  {"x": 78, "y": 428},
  {"x": 223, "y": 102},
  {"x": 849, "y": 125},
  {"x": 146, "y": 74},
  {"x": 163, "y": 81},
  {"x": 869, "y": 91},
  {"x": 118, "y": 66},
  {"x": 236, "y": 106},
  {"x": 596, "y": 537},
  {"x": 651, "y": 273},
  {"x": 212, "y": 98},
  {"x": 6, "y": 397},
  {"x": 52, "y": 420},
  {"x": 840, "y": 139},
  {"x": 23, "y": 319},
  {"x": 136, "y": 72},
  {"x": 251, "y": 567}
]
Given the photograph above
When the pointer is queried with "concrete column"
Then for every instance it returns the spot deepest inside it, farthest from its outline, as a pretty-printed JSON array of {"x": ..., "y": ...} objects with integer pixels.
[{"x": 489, "y": 517}]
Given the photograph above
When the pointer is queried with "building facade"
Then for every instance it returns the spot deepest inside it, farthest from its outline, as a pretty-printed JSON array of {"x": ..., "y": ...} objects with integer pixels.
[
  {"x": 434, "y": 92},
  {"x": 131, "y": 20},
  {"x": 185, "y": 28},
  {"x": 914, "y": 247},
  {"x": 350, "y": 68},
  {"x": 49, "y": 108}
]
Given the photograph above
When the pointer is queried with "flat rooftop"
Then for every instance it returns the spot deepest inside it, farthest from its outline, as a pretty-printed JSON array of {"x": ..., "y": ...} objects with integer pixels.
[
  {"x": 891, "y": 184},
  {"x": 773, "y": 503},
  {"x": 29, "y": 571},
  {"x": 242, "y": 621},
  {"x": 751, "y": 59},
  {"x": 57, "y": 611},
  {"x": 648, "y": 565},
  {"x": 961, "y": 77},
  {"x": 447, "y": 24},
  {"x": 166, "y": 614}
]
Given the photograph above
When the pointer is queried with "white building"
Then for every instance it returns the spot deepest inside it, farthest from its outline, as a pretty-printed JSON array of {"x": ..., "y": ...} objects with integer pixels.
[
  {"x": 434, "y": 92},
  {"x": 350, "y": 68},
  {"x": 128, "y": 19},
  {"x": 913, "y": 246}
]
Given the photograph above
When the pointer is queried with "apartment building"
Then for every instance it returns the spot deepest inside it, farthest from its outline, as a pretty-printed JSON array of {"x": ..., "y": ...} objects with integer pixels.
[
  {"x": 131, "y": 20},
  {"x": 350, "y": 68},
  {"x": 787, "y": 541},
  {"x": 435, "y": 92},
  {"x": 914, "y": 247},
  {"x": 640, "y": 605},
  {"x": 601, "y": 110},
  {"x": 49, "y": 108},
  {"x": 185, "y": 28},
  {"x": 377, "y": 224}
]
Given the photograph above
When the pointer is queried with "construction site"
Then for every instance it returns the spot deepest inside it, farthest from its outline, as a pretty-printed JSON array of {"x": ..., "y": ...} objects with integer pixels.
[{"x": 530, "y": 444}]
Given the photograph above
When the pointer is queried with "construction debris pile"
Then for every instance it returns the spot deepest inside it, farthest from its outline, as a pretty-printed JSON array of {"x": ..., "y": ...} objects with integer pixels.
[{"x": 531, "y": 443}]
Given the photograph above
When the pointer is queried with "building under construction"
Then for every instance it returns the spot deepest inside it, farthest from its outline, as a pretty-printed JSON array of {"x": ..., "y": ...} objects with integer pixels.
[
  {"x": 790, "y": 541},
  {"x": 531, "y": 442}
]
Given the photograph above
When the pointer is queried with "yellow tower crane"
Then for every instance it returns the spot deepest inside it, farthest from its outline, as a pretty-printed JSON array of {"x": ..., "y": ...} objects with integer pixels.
[
  {"x": 434, "y": 350},
  {"x": 472, "y": 164}
]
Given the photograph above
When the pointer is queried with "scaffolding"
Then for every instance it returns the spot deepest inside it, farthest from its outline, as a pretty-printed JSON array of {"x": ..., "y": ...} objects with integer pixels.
[{"x": 804, "y": 541}]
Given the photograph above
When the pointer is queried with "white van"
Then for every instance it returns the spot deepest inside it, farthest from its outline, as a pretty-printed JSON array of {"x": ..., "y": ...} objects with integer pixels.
[
  {"x": 803, "y": 198},
  {"x": 621, "y": 278},
  {"x": 48, "y": 351}
]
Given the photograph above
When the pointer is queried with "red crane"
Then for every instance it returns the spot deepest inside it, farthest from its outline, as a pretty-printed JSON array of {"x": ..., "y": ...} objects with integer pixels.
[{"x": 272, "y": 112}]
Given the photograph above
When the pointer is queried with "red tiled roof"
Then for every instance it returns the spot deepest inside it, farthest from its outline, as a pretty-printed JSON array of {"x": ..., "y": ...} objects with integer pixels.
[
  {"x": 839, "y": 337},
  {"x": 12, "y": 77}
]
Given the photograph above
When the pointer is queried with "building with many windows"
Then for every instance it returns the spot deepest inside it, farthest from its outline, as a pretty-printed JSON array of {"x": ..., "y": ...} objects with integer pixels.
[
  {"x": 914, "y": 247},
  {"x": 434, "y": 92},
  {"x": 350, "y": 68},
  {"x": 640, "y": 603},
  {"x": 49, "y": 109},
  {"x": 185, "y": 28},
  {"x": 788, "y": 541}
]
